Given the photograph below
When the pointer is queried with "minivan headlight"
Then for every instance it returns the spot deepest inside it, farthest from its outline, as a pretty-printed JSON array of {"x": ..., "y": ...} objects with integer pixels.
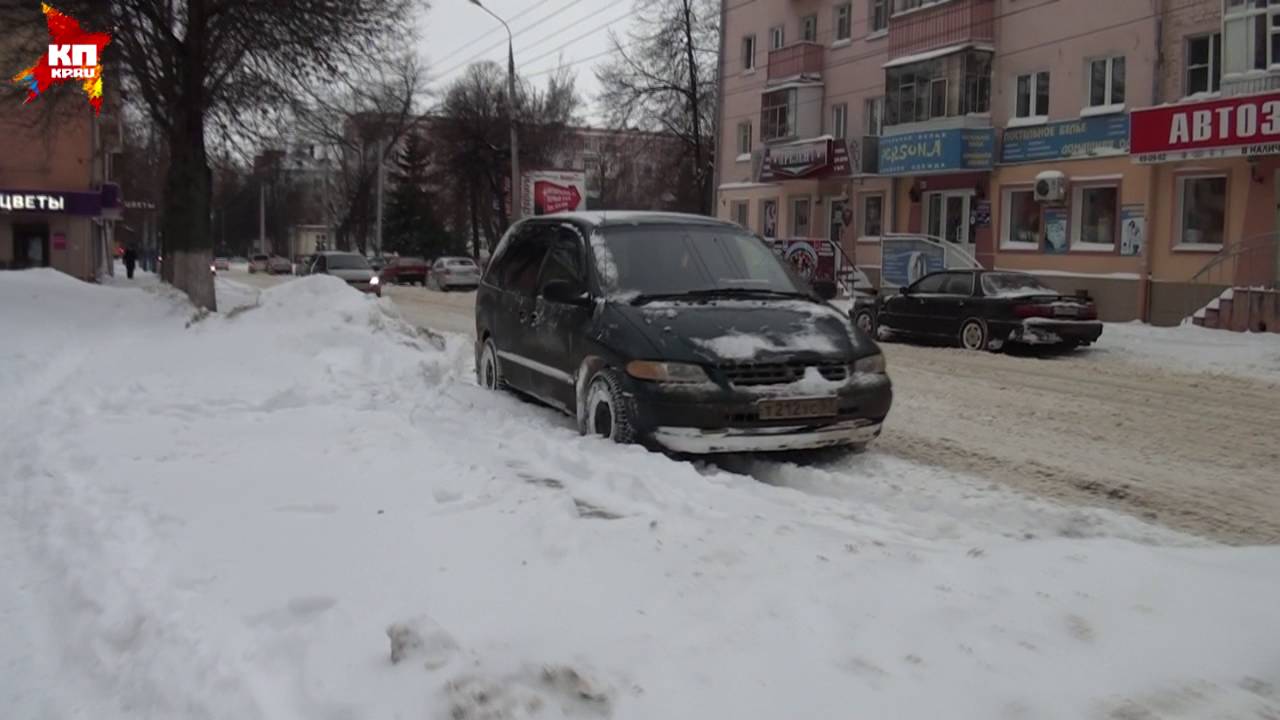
[
  {"x": 869, "y": 364},
  {"x": 666, "y": 372}
]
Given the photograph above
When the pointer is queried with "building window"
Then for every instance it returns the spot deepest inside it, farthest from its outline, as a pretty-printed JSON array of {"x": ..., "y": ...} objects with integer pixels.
[
  {"x": 777, "y": 37},
  {"x": 1204, "y": 64},
  {"x": 1032, "y": 96},
  {"x": 769, "y": 218},
  {"x": 744, "y": 138},
  {"x": 1021, "y": 220},
  {"x": 1252, "y": 34},
  {"x": 923, "y": 91},
  {"x": 840, "y": 121},
  {"x": 777, "y": 114},
  {"x": 902, "y": 6},
  {"x": 740, "y": 212},
  {"x": 1202, "y": 210},
  {"x": 1106, "y": 82},
  {"x": 872, "y": 216},
  {"x": 874, "y": 112},
  {"x": 800, "y": 217},
  {"x": 844, "y": 17},
  {"x": 749, "y": 52},
  {"x": 809, "y": 28},
  {"x": 879, "y": 15},
  {"x": 1096, "y": 220}
]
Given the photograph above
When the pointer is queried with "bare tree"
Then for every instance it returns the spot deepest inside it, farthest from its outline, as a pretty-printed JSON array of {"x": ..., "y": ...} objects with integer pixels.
[
  {"x": 473, "y": 137},
  {"x": 664, "y": 79},
  {"x": 199, "y": 65}
]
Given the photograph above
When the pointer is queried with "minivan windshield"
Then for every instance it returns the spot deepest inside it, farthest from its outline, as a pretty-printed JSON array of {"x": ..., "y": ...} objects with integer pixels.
[
  {"x": 646, "y": 260},
  {"x": 346, "y": 262}
]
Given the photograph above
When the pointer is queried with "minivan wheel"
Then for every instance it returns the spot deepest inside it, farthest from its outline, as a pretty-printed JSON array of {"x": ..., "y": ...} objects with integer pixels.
[
  {"x": 973, "y": 335},
  {"x": 488, "y": 371},
  {"x": 608, "y": 412},
  {"x": 866, "y": 321}
]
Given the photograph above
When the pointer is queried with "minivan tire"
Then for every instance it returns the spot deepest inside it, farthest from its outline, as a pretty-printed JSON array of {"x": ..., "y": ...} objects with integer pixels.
[
  {"x": 488, "y": 369},
  {"x": 608, "y": 412}
]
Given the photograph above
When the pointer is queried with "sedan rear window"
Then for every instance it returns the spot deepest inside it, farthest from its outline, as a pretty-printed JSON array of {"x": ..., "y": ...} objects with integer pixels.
[
  {"x": 462, "y": 263},
  {"x": 1014, "y": 285},
  {"x": 346, "y": 262},
  {"x": 672, "y": 259}
]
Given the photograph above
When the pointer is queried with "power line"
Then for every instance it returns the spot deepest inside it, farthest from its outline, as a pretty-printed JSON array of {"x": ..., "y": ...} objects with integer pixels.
[
  {"x": 478, "y": 38},
  {"x": 499, "y": 44}
]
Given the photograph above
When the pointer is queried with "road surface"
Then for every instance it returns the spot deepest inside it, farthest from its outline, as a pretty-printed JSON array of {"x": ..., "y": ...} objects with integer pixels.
[{"x": 1190, "y": 451}]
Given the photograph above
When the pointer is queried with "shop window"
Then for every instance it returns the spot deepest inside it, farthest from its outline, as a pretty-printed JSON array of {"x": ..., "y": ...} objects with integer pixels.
[
  {"x": 878, "y": 15},
  {"x": 1031, "y": 96},
  {"x": 872, "y": 216},
  {"x": 1096, "y": 218},
  {"x": 1202, "y": 211},
  {"x": 839, "y": 121},
  {"x": 1204, "y": 64},
  {"x": 1021, "y": 224},
  {"x": 749, "y": 52},
  {"x": 769, "y": 218},
  {"x": 800, "y": 217},
  {"x": 1106, "y": 83},
  {"x": 740, "y": 213},
  {"x": 809, "y": 28},
  {"x": 843, "y": 21}
]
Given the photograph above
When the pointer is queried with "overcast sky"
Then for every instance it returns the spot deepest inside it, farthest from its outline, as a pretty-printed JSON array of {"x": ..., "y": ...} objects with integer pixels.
[{"x": 456, "y": 33}]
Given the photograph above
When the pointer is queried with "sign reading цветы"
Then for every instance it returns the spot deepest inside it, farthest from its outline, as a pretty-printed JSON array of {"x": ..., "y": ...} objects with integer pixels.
[
  {"x": 1242, "y": 125},
  {"x": 38, "y": 202}
]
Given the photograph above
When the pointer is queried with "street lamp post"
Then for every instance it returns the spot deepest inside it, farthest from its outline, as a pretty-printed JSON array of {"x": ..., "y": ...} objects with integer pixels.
[{"x": 511, "y": 109}]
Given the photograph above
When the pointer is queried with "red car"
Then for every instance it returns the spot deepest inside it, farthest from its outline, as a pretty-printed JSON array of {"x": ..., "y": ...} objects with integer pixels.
[{"x": 403, "y": 270}]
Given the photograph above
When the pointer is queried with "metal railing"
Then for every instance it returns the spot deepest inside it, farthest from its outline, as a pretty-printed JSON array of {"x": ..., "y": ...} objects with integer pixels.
[
  {"x": 801, "y": 59},
  {"x": 1251, "y": 263}
]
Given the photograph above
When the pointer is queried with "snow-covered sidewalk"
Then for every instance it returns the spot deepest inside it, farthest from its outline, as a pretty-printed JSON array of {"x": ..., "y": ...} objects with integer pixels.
[{"x": 223, "y": 518}]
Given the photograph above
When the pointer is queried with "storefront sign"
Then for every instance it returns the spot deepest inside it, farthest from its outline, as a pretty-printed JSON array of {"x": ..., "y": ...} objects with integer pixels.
[
  {"x": 551, "y": 191},
  {"x": 1133, "y": 229},
  {"x": 1055, "y": 230},
  {"x": 936, "y": 150},
  {"x": 1083, "y": 138},
  {"x": 820, "y": 157},
  {"x": 1234, "y": 126},
  {"x": 906, "y": 260},
  {"x": 814, "y": 259},
  {"x": 62, "y": 203},
  {"x": 981, "y": 214}
]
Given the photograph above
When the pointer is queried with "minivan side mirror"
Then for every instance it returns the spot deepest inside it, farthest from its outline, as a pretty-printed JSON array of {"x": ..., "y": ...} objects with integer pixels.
[
  {"x": 825, "y": 289},
  {"x": 566, "y": 293}
]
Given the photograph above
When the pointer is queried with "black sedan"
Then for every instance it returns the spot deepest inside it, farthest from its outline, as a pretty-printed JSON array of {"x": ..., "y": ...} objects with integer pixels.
[
  {"x": 678, "y": 331},
  {"x": 980, "y": 309}
]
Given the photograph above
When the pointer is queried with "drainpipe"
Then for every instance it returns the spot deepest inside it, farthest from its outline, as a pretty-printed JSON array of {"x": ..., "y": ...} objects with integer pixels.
[
  {"x": 719, "y": 146},
  {"x": 1160, "y": 8}
]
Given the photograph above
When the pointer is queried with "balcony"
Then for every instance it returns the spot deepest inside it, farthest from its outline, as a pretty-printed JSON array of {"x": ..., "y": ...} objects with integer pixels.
[
  {"x": 798, "y": 61},
  {"x": 947, "y": 24}
]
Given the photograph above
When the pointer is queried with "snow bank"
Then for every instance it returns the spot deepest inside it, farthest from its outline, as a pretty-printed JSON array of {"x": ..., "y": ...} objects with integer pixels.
[
  {"x": 227, "y": 518},
  {"x": 1190, "y": 348}
]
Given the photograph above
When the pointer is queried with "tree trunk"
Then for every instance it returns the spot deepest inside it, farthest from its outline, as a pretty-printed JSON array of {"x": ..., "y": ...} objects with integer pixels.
[
  {"x": 693, "y": 104},
  {"x": 475, "y": 219}
]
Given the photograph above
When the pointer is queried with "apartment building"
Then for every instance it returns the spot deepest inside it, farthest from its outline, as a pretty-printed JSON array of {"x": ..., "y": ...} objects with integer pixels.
[{"x": 1005, "y": 128}]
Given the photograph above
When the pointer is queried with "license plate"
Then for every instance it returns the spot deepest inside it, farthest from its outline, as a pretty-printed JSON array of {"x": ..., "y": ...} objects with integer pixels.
[
  {"x": 1066, "y": 311},
  {"x": 798, "y": 408}
]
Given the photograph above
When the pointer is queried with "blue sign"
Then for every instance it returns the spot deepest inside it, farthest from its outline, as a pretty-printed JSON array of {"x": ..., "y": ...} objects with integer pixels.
[
  {"x": 906, "y": 260},
  {"x": 1083, "y": 138},
  {"x": 936, "y": 150}
]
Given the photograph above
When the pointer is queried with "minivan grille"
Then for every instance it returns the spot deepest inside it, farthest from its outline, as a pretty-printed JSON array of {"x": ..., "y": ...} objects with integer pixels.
[{"x": 748, "y": 374}]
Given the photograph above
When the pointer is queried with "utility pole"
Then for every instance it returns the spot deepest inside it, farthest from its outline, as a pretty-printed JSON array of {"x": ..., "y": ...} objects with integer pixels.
[
  {"x": 262, "y": 216},
  {"x": 516, "y": 186},
  {"x": 377, "y": 221}
]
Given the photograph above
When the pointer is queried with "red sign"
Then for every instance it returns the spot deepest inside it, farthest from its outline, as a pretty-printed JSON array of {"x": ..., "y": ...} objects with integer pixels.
[
  {"x": 805, "y": 159},
  {"x": 549, "y": 197},
  {"x": 1245, "y": 125},
  {"x": 813, "y": 258}
]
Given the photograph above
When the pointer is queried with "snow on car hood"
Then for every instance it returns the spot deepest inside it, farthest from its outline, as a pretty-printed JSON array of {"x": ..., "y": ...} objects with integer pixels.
[{"x": 742, "y": 330}]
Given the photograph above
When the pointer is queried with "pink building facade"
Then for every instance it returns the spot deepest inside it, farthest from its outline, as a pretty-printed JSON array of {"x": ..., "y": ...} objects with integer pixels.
[{"x": 1004, "y": 128}]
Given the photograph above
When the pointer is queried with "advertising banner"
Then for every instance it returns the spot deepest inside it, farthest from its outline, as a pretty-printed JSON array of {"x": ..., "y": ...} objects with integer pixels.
[
  {"x": 813, "y": 258},
  {"x": 1133, "y": 229},
  {"x": 1233, "y": 126},
  {"x": 811, "y": 158},
  {"x": 1055, "y": 230},
  {"x": 936, "y": 150},
  {"x": 1086, "y": 137},
  {"x": 904, "y": 260},
  {"x": 551, "y": 191}
]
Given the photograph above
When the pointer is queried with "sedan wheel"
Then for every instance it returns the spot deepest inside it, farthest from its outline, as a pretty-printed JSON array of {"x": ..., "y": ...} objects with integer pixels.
[
  {"x": 488, "y": 371},
  {"x": 973, "y": 335},
  {"x": 608, "y": 411}
]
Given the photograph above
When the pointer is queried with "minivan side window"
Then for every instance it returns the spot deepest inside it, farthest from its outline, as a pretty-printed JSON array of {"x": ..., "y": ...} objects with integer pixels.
[
  {"x": 522, "y": 261},
  {"x": 564, "y": 261},
  {"x": 931, "y": 283}
]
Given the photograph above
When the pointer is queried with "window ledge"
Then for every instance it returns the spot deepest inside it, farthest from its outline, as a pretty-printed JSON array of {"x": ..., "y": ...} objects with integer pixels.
[
  {"x": 1028, "y": 121},
  {"x": 846, "y": 42},
  {"x": 1197, "y": 96},
  {"x": 1102, "y": 110},
  {"x": 868, "y": 239},
  {"x": 1197, "y": 247},
  {"x": 1019, "y": 246},
  {"x": 749, "y": 71},
  {"x": 878, "y": 34},
  {"x": 744, "y": 157},
  {"x": 1092, "y": 247}
]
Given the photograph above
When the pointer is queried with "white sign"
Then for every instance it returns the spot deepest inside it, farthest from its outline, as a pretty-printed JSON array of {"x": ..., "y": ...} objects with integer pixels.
[
  {"x": 15, "y": 202},
  {"x": 544, "y": 192},
  {"x": 73, "y": 61}
]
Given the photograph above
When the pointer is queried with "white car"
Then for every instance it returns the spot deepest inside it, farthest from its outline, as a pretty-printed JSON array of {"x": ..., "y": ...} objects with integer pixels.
[
  {"x": 453, "y": 272},
  {"x": 259, "y": 263}
]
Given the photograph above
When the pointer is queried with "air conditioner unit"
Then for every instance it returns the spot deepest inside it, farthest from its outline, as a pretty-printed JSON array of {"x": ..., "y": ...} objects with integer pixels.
[{"x": 1051, "y": 187}]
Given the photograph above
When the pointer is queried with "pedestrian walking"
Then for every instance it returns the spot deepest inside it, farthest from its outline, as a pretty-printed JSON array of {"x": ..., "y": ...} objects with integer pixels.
[{"x": 130, "y": 261}]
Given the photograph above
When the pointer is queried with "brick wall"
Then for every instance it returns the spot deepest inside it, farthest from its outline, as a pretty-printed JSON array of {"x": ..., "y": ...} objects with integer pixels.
[{"x": 1183, "y": 18}]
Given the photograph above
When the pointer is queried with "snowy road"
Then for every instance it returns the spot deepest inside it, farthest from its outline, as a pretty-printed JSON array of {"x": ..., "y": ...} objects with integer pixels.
[
  {"x": 224, "y": 517},
  {"x": 1110, "y": 427}
]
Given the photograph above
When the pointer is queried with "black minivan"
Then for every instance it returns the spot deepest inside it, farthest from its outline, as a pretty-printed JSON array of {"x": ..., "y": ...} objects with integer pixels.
[{"x": 677, "y": 331}]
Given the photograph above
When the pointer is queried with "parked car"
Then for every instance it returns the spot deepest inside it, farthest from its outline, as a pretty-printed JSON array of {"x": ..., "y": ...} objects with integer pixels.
[
  {"x": 351, "y": 267},
  {"x": 221, "y": 263},
  {"x": 678, "y": 331},
  {"x": 377, "y": 263},
  {"x": 404, "y": 270},
  {"x": 259, "y": 263},
  {"x": 278, "y": 265},
  {"x": 981, "y": 309},
  {"x": 448, "y": 273},
  {"x": 302, "y": 264}
]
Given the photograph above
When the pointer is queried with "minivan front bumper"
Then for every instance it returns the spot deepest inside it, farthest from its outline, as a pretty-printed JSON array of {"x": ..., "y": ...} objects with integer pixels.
[{"x": 698, "y": 441}]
